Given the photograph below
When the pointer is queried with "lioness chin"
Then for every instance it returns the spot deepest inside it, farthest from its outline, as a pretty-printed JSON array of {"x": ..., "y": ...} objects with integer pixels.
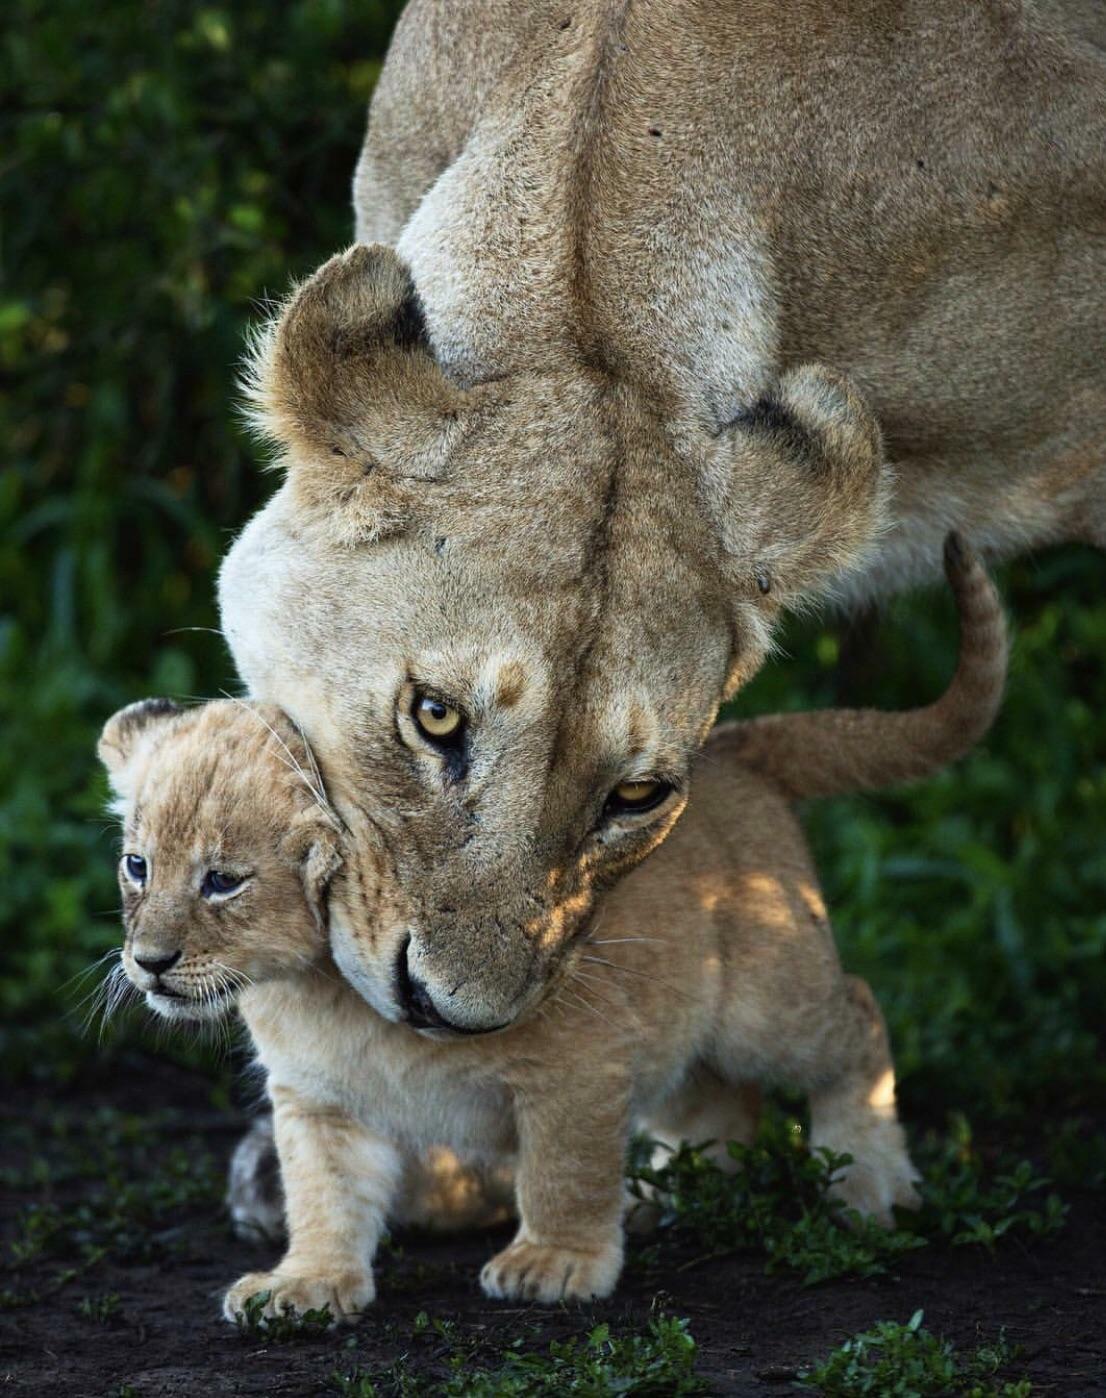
[{"x": 708, "y": 970}]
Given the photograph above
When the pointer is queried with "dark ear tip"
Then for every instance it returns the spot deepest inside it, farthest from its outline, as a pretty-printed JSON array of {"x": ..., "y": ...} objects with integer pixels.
[
  {"x": 957, "y": 553},
  {"x": 157, "y": 707},
  {"x": 117, "y": 734},
  {"x": 140, "y": 713}
]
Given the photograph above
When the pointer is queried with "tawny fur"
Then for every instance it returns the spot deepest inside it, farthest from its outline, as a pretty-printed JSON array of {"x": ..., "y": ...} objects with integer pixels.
[
  {"x": 674, "y": 313},
  {"x": 710, "y": 967}
]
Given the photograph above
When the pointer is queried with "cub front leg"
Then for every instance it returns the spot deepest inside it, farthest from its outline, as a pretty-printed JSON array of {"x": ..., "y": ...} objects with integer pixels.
[
  {"x": 569, "y": 1183},
  {"x": 339, "y": 1182}
]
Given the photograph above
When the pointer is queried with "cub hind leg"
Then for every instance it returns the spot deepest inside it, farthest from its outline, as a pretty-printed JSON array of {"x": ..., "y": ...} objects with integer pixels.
[{"x": 852, "y": 1110}]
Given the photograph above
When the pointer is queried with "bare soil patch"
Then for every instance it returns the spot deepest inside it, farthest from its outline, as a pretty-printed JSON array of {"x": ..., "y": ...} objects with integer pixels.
[{"x": 141, "y": 1318}]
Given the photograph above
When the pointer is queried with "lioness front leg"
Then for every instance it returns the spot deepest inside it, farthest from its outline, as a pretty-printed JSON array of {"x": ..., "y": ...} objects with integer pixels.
[
  {"x": 339, "y": 1181},
  {"x": 569, "y": 1184}
]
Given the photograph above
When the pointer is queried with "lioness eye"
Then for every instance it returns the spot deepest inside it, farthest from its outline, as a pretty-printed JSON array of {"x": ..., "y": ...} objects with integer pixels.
[
  {"x": 631, "y": 797},
  {"x": 135, "y": 866},
  {"x": 435, "y": 719},
  {"x": 217, "y": 882}
]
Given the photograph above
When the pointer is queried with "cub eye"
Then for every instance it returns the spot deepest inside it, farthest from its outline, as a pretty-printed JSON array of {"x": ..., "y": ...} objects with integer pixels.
[
  {"x": 135, "y": 867},
  {"x": 216, "y": 882},
  {"x": 629, "y": 798},
  {"x": 436, "y": 719}
]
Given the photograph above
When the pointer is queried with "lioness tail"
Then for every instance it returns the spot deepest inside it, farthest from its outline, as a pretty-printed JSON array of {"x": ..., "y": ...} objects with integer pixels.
[{"x": 832, "y": 751}]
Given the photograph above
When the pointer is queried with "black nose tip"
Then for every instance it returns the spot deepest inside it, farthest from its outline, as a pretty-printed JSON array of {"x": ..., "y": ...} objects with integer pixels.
[
  {"x": 414, "y": 997},
  {"x": 158, "y": 965}
]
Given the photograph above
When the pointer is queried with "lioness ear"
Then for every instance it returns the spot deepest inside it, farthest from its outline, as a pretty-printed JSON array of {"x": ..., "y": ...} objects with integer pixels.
[
  {"x": 799, "y": 488},
  {"x": 314, "y": 843},
  {"x": 125, "y": 731},
  {"x": 345, "y": 381}
]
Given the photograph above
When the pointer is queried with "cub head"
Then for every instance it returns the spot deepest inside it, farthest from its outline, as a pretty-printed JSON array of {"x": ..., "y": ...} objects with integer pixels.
[
  {"x": 505, "y": 614},
  {"x": 228, "y": 848}
]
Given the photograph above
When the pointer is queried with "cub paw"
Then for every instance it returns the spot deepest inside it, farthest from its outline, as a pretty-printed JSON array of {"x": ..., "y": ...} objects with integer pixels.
[
  {"x": 534, "y": 1272},
  {"x": 875, "y": 1191},
  {"x": 346, "y": 1294}
]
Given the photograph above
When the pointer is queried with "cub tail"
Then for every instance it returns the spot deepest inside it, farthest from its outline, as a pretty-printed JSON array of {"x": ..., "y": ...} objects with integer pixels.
[{"x": 830, "y": 752}]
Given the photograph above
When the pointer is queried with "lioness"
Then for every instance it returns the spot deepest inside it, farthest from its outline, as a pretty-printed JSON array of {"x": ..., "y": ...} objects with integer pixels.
[
  {"x": 675, "y": 313},
  {"x": 710, "y": 966}
]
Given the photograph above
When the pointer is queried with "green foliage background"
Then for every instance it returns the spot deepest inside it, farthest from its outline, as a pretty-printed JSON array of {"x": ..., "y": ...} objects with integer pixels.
[{"x": 165, "y": 167}]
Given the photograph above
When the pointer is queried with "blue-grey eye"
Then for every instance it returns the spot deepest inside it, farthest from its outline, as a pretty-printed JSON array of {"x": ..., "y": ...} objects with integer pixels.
[
  {"x": 216, "y": 882},
  {"x": 135, "y": 866}
]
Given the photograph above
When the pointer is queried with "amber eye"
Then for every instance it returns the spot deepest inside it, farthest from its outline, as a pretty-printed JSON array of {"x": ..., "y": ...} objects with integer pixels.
[
  {"x": 436, "y": 719},
  {"x": 630, "y": 797}
]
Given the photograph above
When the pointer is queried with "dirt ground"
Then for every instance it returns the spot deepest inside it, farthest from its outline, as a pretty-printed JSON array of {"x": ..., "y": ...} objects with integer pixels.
[{"x": 142, "y": 1319}]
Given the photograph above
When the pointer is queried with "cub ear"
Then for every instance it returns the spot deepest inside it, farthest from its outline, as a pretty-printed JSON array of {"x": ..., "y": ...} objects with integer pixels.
[
  {"x": 125, "y": 731},
  {"x": 345, "y": 382},
  {"x": 313, "y": 841},
  {"x": 799, "y": 489}
]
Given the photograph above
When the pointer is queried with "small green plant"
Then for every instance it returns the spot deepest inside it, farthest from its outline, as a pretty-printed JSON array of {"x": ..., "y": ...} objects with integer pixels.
[
  {"x": 907, "y": 1361},
  {"x": 1077, "y": 1154},
  {"x": 290, "y": 1327},
  {"x": 778, "y": 1202},
  {"x": 966, "y": 1203},
  {"x": 136, "y": 1190},
  {"x": 658, "y": 1363},
  {"x": 104, "y": 1308}
]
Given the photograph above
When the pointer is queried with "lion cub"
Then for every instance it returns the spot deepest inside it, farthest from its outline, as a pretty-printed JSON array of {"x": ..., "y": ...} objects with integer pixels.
[{"x": 709, "y": 969}]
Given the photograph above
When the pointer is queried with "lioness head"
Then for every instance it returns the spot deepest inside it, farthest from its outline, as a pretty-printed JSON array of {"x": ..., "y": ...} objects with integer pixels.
[
  {"x": 505, "y": 614},
  {"x": 227, "y": 850}
]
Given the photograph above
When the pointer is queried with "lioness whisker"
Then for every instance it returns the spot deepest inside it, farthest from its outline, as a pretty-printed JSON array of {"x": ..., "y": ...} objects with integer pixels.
[
  {"x": 635, "y": 971},
  {"x": 616, "y": 941},
  {"x": 596, "y": 981},
  {"x": 582, "y": 1000}
]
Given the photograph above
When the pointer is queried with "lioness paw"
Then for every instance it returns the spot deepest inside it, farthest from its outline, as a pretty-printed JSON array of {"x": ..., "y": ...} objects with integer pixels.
[
  {"x": 345, "y": 1293},
  {"x": 534, "y": 1272}
]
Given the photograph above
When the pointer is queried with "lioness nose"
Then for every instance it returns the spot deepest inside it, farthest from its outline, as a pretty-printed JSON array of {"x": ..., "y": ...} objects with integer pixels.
[
  {"x": 417, "y": 1001},
  {"x": 158, "y": 965}
]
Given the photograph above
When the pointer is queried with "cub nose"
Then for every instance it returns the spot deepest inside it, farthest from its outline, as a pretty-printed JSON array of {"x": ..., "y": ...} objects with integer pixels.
[{"x": 158, "y": 965}]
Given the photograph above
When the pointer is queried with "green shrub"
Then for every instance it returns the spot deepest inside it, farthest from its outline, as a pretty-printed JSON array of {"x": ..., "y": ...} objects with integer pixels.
[
  {"x": 167, "y": 165},
  {"x": 906, "y": 1361},
  {"x": 658, "y": 1363},
  {"x": 777, "y": 1202}
]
